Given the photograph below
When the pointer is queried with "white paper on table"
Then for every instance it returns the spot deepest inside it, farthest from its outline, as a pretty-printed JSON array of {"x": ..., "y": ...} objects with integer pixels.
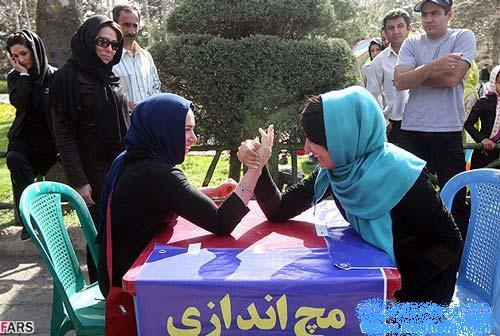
[{"x": 327, "y": 215}]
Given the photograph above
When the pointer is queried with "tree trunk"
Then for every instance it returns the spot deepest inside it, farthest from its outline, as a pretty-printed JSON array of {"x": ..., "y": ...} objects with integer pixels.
[
  {"x": 26, "y": 14},
  {"x": 56, "y": 22},
  {"x": 15, "y": 11},
  {"x": 211, "y": 168},
  {"x": 147, "y": 22},
  {"x": 234, "y": 165},
  {"x": 496, "y": 39},
  {"x": 272, "y": 164}
]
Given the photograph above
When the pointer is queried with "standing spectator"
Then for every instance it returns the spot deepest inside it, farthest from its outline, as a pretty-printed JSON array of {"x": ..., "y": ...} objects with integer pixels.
[
  {"x": 380, "y": 80},
  {"x": 90, "y": 110},
  {"x": 487, "y": 109},
  {"x": 470, "y": 88},
  {"x": 471, "y": 96},
  {"x": 137, "y": 70},
  {"x": 484, "y": 77},
  {"x": 31, "y": 150},
  {"x": 374, "y": 48},
  {"x": 433, "y": 66},
  {"x": 383, "y": 37}
]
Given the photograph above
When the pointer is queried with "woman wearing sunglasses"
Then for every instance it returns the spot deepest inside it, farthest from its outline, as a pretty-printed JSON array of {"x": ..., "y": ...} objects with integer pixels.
[
  {"x": 89, "y": 109},
  {"x": 31, "y": 149}
]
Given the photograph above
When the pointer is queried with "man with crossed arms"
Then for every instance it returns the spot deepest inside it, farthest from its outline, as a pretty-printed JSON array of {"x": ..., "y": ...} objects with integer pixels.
[{"x": 432, "y": 65}]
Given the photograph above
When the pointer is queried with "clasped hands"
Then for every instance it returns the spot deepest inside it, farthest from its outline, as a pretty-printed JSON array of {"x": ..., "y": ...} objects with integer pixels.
[{"x": 255, "y": 153}]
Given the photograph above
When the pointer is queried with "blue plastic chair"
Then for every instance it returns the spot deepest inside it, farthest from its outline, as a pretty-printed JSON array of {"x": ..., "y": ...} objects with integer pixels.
[
  {"x": 479, "y": 274},
  {"x": 76, "y": 305}
]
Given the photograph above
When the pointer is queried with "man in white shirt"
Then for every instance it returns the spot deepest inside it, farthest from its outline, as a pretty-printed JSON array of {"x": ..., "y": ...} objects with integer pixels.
[
  {"x": 137, "y": 71},
  {"x": 380, "y": 81}
]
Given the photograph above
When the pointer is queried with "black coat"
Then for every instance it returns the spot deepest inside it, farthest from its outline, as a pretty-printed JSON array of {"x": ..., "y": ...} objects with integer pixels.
[
  {"x": 484, "y": 110},
  {"x": 22, "y": 92}
]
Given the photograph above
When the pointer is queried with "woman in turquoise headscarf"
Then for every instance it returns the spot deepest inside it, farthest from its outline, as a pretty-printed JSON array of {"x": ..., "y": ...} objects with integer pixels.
[{"x": 382, "y": 190}]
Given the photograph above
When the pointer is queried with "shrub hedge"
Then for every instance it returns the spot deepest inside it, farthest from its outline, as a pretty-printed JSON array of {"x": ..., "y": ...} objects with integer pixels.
[
  {"x": 292, "y": 19},
  {"x": 240, "y": 85},
  {"x": 3, "y": 86}
]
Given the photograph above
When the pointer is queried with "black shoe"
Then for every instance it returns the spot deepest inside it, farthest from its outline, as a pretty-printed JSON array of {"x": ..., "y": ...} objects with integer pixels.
[{"x": 25, "y": 235}]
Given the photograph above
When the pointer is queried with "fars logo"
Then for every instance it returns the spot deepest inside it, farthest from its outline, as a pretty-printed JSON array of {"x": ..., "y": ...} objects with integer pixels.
[{"x": 17, "y": 327}]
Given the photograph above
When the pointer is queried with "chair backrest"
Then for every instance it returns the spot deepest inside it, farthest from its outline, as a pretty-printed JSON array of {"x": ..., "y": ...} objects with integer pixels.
[
  {"x": 41, "y": 211},
  {"x": 479, "y": 267}
]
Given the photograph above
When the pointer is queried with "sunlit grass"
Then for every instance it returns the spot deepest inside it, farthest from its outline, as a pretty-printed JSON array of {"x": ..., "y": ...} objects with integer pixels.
[
  {"x": 195, "y": 167},
  {"x": 7, "y": 112}
]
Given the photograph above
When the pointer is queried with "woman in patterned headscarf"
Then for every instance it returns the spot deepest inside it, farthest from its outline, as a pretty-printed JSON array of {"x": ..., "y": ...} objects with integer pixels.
[
  {"x": 374, "y": 48},
  {"x": 487, "y": 109}
]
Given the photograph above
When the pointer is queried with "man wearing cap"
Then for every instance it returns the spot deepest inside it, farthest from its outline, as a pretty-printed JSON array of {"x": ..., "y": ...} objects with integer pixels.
[
  {"x": 380, "y": 82},
  {"x": 432, "y": 66}
]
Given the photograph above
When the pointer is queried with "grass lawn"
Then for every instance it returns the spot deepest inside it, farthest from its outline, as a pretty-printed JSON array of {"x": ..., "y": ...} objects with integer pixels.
[{"x": 195, "y": 168}]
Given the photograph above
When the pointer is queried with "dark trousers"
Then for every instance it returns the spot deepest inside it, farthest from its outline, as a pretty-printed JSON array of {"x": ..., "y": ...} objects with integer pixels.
[
  {"x": 96, "y": 166},
  {"x": 26, "y": 161},
  {"x": 393, "y": 136},
  {"x": 444, "y": 154}
]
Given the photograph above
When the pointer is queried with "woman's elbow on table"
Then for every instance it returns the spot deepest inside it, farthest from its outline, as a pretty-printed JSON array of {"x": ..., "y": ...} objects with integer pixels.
[
  {"x": 223, "y": 230},
  {"x": 276, "y": 217}
]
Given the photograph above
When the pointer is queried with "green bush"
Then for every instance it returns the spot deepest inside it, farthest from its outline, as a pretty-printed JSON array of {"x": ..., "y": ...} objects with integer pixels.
[
  {"x": 235, "y": 19},
  {"x": 244, "y": 84},
  {"x": 3, "y": 86}
]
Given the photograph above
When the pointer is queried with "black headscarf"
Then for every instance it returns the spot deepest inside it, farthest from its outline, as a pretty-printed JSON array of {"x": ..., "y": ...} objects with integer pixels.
[
  {"x": 40, "y": 62},
  {"x": 312, "y": 121},
  {"x": 110, "y": 124},
  {"x": 83, "y": 50}
]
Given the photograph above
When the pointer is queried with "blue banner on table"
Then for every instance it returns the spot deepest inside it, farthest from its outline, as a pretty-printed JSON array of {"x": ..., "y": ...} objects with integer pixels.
[
  {"x": 349, "y": 251},
  {"x": 240, "y": 292}
]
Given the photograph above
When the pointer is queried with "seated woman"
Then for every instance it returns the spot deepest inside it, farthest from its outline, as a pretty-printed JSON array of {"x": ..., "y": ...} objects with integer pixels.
[
  {"x": 31, "y": 150},
  {"x": 486, "y": 109},
  {"x": 147, "y": 191},
  {"x": 382, "y": 190}
]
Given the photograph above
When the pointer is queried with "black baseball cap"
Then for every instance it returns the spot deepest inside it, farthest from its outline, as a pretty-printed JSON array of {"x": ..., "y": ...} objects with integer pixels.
[{"x": 442, "y": 3}]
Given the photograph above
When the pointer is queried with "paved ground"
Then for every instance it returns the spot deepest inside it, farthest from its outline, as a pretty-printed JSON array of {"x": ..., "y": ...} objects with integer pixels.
[{"x": 25, "y": 284}]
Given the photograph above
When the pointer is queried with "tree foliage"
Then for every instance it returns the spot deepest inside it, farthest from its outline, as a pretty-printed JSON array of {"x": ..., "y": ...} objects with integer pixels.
[
  {"x": 241, "y": 78},
  {"x": 250, "y": 63},
  {"x": 291, "y": 19},
  {"x": 244, "y": 84},
  {"x": 355, "y": 21}
]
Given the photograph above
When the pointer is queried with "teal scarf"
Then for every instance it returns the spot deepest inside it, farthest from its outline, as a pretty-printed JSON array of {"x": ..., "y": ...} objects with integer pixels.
[{"x": 370, "y": 176}]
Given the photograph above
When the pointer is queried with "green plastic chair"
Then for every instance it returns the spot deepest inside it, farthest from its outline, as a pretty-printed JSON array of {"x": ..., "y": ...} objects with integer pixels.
[{"x": 76, "y": 305}]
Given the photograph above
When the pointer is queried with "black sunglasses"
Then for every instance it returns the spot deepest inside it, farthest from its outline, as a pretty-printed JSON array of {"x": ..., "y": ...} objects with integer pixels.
[{"x": 105, "y": 42}]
